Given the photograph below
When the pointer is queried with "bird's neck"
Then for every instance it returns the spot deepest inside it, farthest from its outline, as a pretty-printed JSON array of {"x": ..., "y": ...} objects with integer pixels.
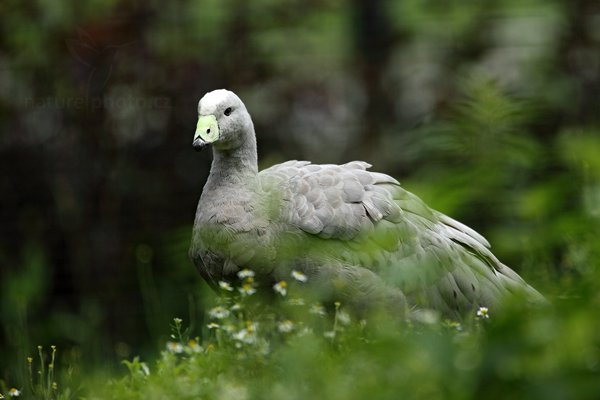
[{"x": 236, "y": 167}]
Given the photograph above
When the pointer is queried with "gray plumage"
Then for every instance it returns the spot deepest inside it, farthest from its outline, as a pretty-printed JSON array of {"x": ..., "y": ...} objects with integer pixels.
[{"x": 358, "y": 235}]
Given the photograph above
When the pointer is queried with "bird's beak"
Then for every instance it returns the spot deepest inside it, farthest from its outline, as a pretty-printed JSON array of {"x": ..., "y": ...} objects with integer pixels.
[
  {"x": 207, "y": 132},
  {"x": 199, "y": 144}
]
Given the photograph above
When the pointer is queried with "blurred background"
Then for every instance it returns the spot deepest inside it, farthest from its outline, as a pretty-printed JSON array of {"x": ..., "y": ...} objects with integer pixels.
[{"x": 490, "y": 111}]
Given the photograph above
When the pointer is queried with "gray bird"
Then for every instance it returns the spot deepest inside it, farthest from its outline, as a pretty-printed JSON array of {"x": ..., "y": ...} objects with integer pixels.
[{"x": 357, "y": 235}]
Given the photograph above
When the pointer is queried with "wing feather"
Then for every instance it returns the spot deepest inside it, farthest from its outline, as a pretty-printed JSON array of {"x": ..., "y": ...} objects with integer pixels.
[
  {"x": 338, "y": 196},
  {"x": 435, "y": 260}
]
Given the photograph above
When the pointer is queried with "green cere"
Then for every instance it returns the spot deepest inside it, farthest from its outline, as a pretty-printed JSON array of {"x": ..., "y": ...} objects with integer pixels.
[{"x": 207, "y": 128}]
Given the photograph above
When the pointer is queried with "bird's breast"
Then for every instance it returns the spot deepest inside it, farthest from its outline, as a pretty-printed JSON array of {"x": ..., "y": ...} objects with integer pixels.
[{"x": 233, "y": 241}]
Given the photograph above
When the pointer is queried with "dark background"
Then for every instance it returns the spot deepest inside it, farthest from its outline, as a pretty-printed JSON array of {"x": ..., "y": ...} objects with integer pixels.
[{"x": 490, "y": 111}]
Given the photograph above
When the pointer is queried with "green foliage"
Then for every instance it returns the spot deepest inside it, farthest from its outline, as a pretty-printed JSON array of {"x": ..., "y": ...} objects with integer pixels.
[
  {"x": 541, "y": 353},
  {"x": 486, "y": 110},
  {"x": 42, "y": 381}
]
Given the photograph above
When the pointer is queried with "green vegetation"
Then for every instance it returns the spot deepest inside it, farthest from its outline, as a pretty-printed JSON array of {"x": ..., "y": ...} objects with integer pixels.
[
  {"x": 486, "y": 110},
  {"x": 293, "y": 348}
]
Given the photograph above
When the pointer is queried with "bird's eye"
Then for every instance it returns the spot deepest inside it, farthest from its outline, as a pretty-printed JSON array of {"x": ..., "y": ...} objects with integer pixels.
[{"x": 228, "y": 111}]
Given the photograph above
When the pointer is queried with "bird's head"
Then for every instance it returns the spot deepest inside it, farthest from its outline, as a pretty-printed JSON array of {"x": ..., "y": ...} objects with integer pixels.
[{"x": 223, "y": 121}]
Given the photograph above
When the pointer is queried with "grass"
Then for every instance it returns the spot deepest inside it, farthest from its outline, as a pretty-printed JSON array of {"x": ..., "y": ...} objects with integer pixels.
[
  {"x": 290, "y": 347},
  {"x": 42, "y": 383},
  {"x": 543, "y": 353},
  {"x": 548, "y": 353}
]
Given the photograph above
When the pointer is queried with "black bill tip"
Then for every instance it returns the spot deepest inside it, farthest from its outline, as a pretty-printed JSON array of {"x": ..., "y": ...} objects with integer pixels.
[{"x": 199, "y": 144}]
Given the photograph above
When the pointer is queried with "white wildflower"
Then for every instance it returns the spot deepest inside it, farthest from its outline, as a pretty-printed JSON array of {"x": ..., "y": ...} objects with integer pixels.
[
  {"x": 483, "y": 312},
  {"x": 213, "y": 325},
  {"x": 246, "y": 335},
  {"x": 280, "y": 287},
  {"x": 329, "y": 334},
  {"x": 175, "y": 347},
  {"x": 317, "y": 309},
  {"x": 14, "y": 392},
  {"x": 225, "y": 286},
  {"x": 218, "y": 312},
  {"x": 247, "y": 289},
  {"x": 194, "y": 347},
  {"x": 285, "y": 326},
  {"x": 245, "y": 273},
  {"x": 343, "y": 317},
  {"x": 241, "y": 335},
  {"x": 299, "y": 276}
]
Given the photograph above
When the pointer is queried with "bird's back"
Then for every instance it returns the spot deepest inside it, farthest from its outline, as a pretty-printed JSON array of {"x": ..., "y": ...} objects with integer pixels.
[{"x": 344, "y": 215}]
